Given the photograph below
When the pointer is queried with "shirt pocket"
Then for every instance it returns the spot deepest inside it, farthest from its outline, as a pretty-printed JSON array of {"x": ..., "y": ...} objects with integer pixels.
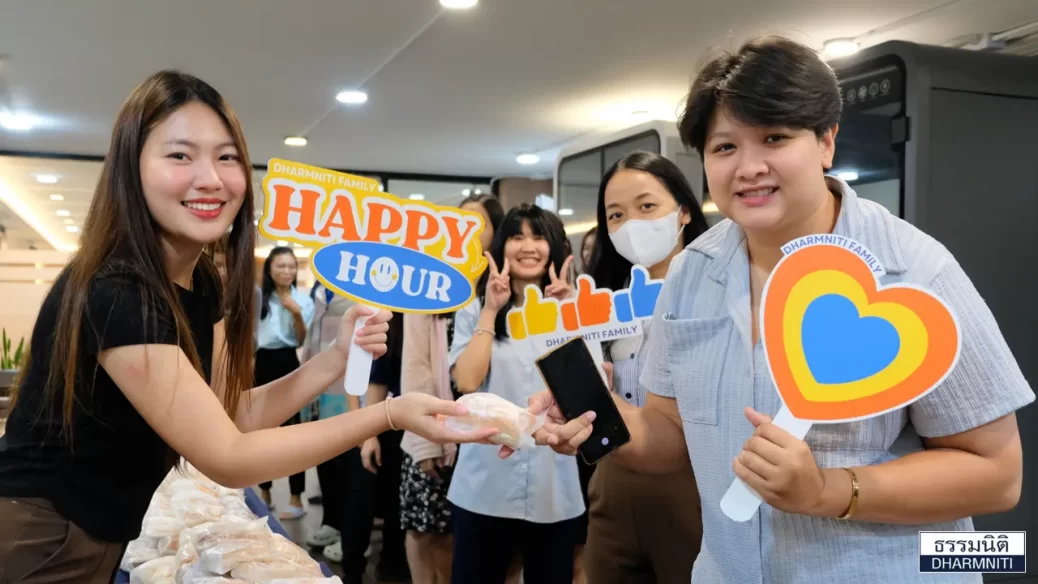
[{"x": 696, "y": 354}]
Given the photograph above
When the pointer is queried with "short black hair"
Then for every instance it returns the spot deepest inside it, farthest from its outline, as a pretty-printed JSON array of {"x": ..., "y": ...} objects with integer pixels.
[
  {"x": 490, "y": 204},
  {"x": 769, "y": 82},
  {"x": 607, "y": 267}
]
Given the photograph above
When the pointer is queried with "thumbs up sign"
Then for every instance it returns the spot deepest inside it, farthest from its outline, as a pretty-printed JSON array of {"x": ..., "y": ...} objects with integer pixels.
[
  {"x": 591, "y": 307},
  {"x": 644, "y": 293},
  {"x": 542, "y": 316}
]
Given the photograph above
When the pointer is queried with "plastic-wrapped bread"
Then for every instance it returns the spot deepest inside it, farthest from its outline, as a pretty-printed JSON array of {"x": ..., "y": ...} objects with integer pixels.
[
  {"x": 515, "y": 424},
  {"x": 137, "y": 552},
  {"x": 160, "y": 571},
  {"x": 266, "y": 571},
  {"x": 332, "y": 580},
  {"x": 288, "y": 551}
]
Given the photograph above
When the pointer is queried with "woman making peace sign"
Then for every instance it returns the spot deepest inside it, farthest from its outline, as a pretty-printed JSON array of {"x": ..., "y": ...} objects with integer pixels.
[{"x": 531, "y": 501}]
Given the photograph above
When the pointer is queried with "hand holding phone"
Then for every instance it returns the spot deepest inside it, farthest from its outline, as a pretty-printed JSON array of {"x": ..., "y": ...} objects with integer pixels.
[{"x": 577, "y": 387}]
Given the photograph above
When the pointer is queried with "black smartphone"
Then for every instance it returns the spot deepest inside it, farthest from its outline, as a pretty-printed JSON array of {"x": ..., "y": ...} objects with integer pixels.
[{"x": 574, "y": 380}]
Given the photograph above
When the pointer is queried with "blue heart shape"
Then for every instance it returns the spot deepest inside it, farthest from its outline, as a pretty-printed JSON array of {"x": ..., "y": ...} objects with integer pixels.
[{"x": 840, "y": 346}]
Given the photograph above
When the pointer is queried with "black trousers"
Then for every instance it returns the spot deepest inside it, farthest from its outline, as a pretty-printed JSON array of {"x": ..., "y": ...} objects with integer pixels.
[
  {"x": 484, "y": 547},
  {"x": 273, "y": 364},
  {"x": 334, "y": 478},
  {"x": 368, "y": 495}
]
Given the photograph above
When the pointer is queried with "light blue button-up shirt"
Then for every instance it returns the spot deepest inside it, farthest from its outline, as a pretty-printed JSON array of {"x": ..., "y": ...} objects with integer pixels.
[
  {"x": 700, "y": 353},
  {"x": 534, "y": 484},
  {"x": 277, "y": 331}
]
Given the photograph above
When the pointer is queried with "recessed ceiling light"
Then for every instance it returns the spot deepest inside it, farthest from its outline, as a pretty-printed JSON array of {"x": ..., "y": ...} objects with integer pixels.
[
  {"x": 478, "y": 191},
  {"x": 565, "y": 212},
  {"x": 466, "y": 192},
  {"x": 458, "y": 4},
  {"x": 352, "y": 97},
  {"x": 57, "y": 197},
  {"x": 47, "y": 179},
  {"x": 840, "y": 48},
  {"x": 417, "y": 197},
  {"x": 295, "y": 141},
  {"x": 72, "y": 229},
  {"x": 16, "y": 122},
  {"x": 847, "y": 175},
  {"x": 63, "y": 213},
  {"x": 282, "y": 243},
  {"x": 528, "y": 159},
  {"x": 70, "y": 221}
]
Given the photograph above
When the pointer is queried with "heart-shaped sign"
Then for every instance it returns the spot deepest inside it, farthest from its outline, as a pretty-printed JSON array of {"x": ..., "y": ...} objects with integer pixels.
[{"x": 840, "y": 347}]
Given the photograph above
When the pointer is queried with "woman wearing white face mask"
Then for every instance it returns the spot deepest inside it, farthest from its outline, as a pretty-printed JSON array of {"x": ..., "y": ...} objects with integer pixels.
[{"x": 642, "y": 528}]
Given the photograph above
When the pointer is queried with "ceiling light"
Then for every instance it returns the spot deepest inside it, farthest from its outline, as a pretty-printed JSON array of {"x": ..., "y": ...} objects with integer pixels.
[
  {"x": 847, "y": 175},
  {"x": 528, "y": 159},
  {"x": 458, "y": 4},
  {"x": 70, "y": 221},
  {"x": 16, "y": 122},
  {"x": 47, "y": 179},
  {"x": 72, "y": 229},
  {"x": 840, "y": 48},
  {"x": 295, "y": 141},
  {"x": 565, "y": 212},
  {"x": 466, "y": 192},
  {"x": 478, "y": 191},
  {"x": 282, "y": 243},
  {"x": 63, "y": 213},
  {"x": 417, "y": 197},
  {"x": 352, "y": 97},
  {"x": 57, "y": 197}
]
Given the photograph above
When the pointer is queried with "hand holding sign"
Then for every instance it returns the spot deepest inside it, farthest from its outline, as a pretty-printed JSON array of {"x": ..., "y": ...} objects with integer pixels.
[{"x": 899, "y": 342}]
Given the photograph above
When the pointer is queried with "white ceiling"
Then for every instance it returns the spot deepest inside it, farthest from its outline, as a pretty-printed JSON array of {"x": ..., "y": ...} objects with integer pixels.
[{"x": 470, "y": 92}]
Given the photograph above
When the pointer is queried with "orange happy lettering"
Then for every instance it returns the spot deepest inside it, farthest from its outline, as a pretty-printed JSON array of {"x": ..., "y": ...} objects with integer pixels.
[
  {"x": 421, "y": 226},
  {"x": 458, "y": 231},
  {"x": 383, "y": 219},
  {"x": 283, "y": 207},
  {"x": 342, "y": 216}
]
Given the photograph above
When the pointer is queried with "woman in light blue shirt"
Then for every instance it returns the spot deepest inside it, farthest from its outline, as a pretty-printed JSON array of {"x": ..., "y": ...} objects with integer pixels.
[
  {"x": 847, "y": 503},
  {"x": 285, "y": 316},
  {"x": 530, "y": 502}
]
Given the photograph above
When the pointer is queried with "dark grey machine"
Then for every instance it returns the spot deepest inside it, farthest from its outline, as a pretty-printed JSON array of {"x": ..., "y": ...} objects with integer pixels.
[{"x": 948, "y": 139}]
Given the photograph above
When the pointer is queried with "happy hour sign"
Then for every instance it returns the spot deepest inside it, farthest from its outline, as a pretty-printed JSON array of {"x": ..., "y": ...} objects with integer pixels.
[
  {"x": 840, "y": 347},
  {"x": 373, "y": 247},
  {"x": 593, "y": 313}
]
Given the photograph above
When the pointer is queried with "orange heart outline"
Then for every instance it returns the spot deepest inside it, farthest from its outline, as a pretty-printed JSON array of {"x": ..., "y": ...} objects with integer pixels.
[{"x": 942, "y": 330}]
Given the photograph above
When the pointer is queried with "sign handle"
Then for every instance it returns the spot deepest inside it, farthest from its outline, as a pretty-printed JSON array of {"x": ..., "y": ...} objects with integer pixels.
[
  {"x": 740, "y": 503},
  {"x": 358, "y": 365}
]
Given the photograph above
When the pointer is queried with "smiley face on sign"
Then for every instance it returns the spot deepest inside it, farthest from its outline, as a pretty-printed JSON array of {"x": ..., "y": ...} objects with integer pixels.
[
  {"x": 840, "y": 346},
  {"x": 373, "y": 247}
]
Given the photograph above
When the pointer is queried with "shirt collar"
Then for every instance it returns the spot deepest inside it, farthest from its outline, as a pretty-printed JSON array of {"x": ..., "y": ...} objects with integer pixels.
[{"x": 872, "y": 227}]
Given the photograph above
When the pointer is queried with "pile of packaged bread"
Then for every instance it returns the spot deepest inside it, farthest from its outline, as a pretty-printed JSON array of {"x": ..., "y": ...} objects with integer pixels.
[{"x": 197, "y": 532}]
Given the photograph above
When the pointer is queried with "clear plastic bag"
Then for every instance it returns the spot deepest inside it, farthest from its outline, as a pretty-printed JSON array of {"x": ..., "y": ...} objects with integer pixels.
[
  {"x": 516, "y": 424},
  {"x": 159, "y": 571},
  {"x": 332, "y": 580},
  {"x": 137, "y": 552},
  {"x": 265, "y": 571},
  {"x": 290, "y": 552},
  {"x": 193, "y": 507}
]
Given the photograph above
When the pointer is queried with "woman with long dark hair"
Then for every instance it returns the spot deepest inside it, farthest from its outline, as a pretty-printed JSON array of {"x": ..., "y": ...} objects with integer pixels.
[
  {"x": 427, "y": 467},
  {"x": 642, "y": 528},
  {"x": 133, "y": 362},
  {"x": 531, "y": 502},
  {"x": 286, "y": 314},
  {"x": 848, "y": 500}
]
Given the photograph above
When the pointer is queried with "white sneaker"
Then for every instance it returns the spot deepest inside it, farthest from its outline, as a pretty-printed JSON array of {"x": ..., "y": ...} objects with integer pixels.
[
  {"x": 333, "y": 553},
  {"x": 323, "y": 537}
]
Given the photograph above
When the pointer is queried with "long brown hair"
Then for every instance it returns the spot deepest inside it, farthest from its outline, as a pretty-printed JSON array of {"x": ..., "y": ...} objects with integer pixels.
[{"x": 119, "y": 233}]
